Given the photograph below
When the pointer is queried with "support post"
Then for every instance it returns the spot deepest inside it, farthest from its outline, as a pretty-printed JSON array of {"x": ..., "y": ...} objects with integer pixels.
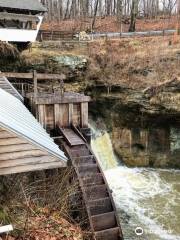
[
  {"x": 22, "y": 89},
  {"x": 35, "y": 83},
  {"x": 84, "y": 115},
  {"x": 70, "y": 114}
]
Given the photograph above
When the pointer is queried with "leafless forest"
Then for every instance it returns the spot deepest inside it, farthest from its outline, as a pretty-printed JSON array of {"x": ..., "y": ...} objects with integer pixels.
[{"x": 126, "y": 11}]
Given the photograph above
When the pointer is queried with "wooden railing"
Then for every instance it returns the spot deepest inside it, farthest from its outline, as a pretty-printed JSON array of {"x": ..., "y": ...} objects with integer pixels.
[
  {"x": 30, "y": 80},
  {"x": 45, "y": 35}
]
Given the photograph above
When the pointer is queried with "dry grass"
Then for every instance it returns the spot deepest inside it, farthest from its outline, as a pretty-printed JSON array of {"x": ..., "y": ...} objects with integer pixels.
[
  {"x": 133, "y": 62},
  {"x": 8, "y": 51},
  {"x": 40, "y": 205},
  {"x": 136, "y": 63}
]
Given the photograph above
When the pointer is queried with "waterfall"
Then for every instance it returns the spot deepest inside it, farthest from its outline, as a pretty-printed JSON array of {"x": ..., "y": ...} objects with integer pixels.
[
  {"x": 145, "y": 197},
  {"x": 102, "y": 147}
]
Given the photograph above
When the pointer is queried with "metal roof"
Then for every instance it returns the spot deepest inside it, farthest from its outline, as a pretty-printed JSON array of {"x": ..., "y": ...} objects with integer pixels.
[
  {"x": 33, "y": 5},
  {"x": 17, "y": 118},
  {"x": 8, "y": 87}
]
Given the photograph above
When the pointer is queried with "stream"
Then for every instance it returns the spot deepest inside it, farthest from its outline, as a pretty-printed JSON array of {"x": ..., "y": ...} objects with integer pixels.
[{"x": 146, "y": 198}]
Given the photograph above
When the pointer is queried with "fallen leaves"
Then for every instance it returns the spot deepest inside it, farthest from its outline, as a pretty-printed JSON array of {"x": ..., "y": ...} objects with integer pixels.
[{"x": 48, "y": 226}]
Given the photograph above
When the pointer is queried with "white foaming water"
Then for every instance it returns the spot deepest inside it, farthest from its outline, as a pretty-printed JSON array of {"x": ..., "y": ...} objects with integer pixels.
[
  {"x": 137, "y": 191},
  {"x": 149, "y": 198}
]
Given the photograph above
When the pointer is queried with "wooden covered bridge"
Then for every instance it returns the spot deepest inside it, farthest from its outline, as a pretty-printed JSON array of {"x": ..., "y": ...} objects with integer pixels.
[
  {"x": 20, "y": 20},
  {"x": 26, "y": 145}
]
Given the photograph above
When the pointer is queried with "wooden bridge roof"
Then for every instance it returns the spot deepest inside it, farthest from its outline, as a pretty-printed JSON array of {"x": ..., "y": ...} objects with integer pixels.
[
  {"x": 24, "y": 144},
  {"x": 8, "y": 87},
  {"x": 32, "y": 5}
]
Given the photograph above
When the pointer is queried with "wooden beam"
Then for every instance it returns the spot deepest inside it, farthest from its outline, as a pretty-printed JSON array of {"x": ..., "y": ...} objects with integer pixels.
[
  {"x": 57, "y": 99},
  {"x": 29, "y": 76},
  {"x": 84, "y": 114},
  {"x": 70, "y": 114},
  {"x": 19, "y": 17},
  {"x": 35, "y": 84}
]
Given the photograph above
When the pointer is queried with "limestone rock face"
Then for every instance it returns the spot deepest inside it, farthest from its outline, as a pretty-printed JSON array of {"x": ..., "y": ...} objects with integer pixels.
[
  {"x": 160, "y": 99},
  {"x": 165, "y": 96},
  {"x": 71, "y": 61}
]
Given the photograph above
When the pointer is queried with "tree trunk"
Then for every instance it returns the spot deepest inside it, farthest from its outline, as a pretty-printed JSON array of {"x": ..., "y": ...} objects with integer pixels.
[
  {"x": 119, "y": 14},
  {"x": 134, "y": 12},
  {"x": 67, "y": 10},
  {"x": 95, "y": 13}
]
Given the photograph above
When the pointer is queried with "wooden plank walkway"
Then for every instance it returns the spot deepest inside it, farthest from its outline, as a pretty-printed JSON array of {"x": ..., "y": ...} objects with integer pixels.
[{"x": 96, "y": 193}]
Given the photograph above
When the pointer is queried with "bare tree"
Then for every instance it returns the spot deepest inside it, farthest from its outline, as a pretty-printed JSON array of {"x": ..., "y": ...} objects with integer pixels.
[
  {"x": 122, "y": 9},
  {"x": 95, "y": 13},
  {"x": 119, "y": 14},
  {"x": 134, "y": 12}
]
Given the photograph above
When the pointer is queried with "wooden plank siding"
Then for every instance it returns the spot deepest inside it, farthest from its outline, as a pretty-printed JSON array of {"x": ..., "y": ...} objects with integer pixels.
[
  {"x": 76, "y": 114},
  {"x": 45, "y": 116},
  {"x": 17, "y": 154},
  {"x": 61, "y": 112},
  {"x": 55, "y": 109},
  {"x": 63, "y": 115},
  {"x": 84, "y": 114}
]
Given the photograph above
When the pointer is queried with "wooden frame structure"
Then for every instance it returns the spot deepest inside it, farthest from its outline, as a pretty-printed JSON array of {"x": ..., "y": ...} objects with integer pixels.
[
  {"x": 32, "y": 75},
  {"x": 54, "y": 109}
]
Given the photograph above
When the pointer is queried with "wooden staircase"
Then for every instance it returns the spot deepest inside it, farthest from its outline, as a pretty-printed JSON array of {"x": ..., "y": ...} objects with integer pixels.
[{"x": 96, "y": 193}]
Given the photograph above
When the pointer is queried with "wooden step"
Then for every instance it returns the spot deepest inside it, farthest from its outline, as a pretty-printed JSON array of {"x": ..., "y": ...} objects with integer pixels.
[
  {"x": 94, "y": 179},
  {"x": 84, "y": 159},
  {"x": 82, "y": 147},
  {"x": 88, "y": 169},
  {"x": 101, "y": 211},
  {"x": 100, "y": 206},
  {"x": 104, "y": 221},
  {"x": 80, "y": 153},
  {"x": 109, "y": 234},
  {"x": 95, "y": 192}
]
